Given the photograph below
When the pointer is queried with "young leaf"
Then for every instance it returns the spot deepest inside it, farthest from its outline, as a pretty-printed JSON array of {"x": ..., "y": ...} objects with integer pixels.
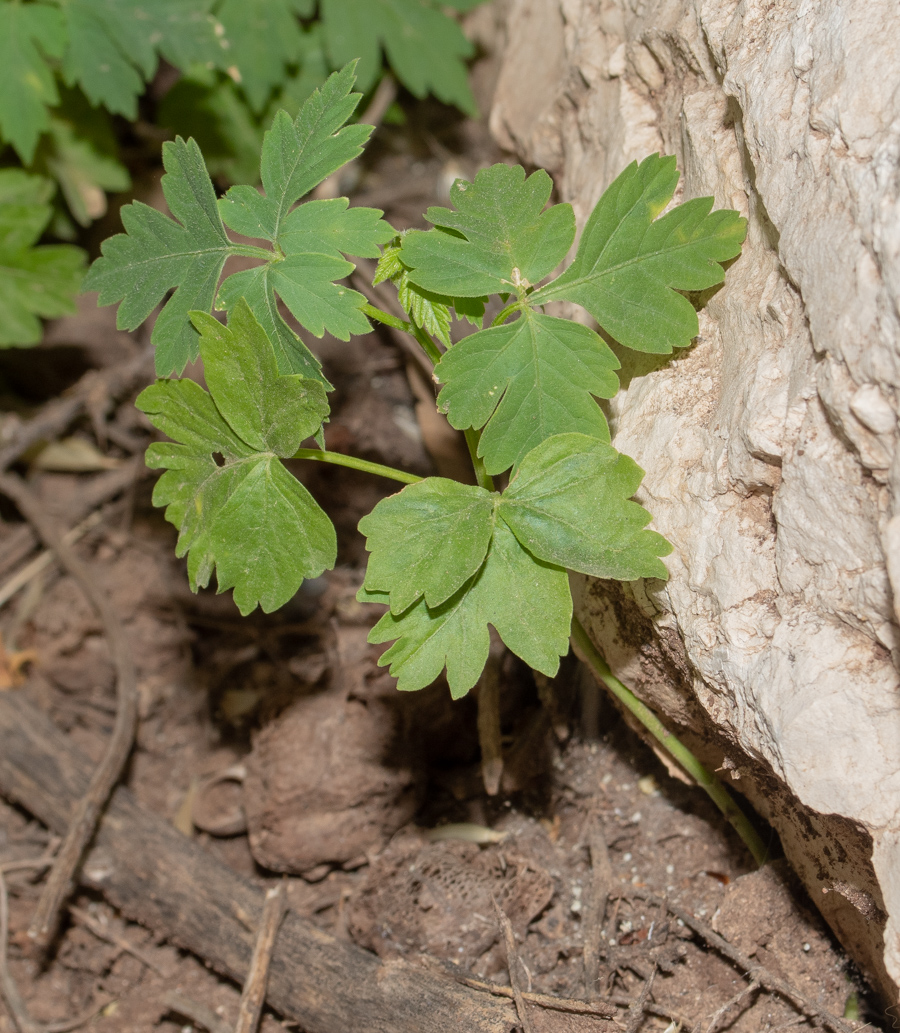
[
  {"x": 28, "y": 34},
  {"x": 568, "y": 504},
  {"x": 264, "y": 36},
  {"x": 429, "y": 311},
  {"x": 526, "y": 600},
  {"x": 630, "y": 264},
  {"x": 498, "y": 240},
  {"x": 246, "y": 517},
  {"x": 427, "y": 540},
  {"x": 34, "y": 281},
  {"x": 156, "y": 253},
  {"x": 113, "y": 45},
  {"x": 426, "y": 49},
  {"x": 297, "y": 155},
  {"x": 526, "y": 381}
]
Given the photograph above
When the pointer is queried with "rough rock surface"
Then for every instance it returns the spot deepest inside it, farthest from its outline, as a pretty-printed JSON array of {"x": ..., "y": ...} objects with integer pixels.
[{"x": 771, "y": 444}]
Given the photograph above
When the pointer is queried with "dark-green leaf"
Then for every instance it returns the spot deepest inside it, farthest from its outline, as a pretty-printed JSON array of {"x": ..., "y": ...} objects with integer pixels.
[
  {"x": 427, "y": 540},
  {"x": 525, "y": 381},
  {"x": 569, "y": 504},
  {"x": 527, "y": 601},
  {"x": 157, "y": 253},
  {"x": 498, "y": 240},
  {"x": 631, "y": 264}
]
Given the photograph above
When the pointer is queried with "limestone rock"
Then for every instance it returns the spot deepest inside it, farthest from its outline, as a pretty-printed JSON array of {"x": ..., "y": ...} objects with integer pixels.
[{"x": 771, "y": 444}]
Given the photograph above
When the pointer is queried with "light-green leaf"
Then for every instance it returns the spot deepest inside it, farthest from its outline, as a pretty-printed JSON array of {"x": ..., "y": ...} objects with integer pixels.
[
  {"x": 631, "y": 263},
  {"x": 569, "y": 504},
  {"x": 427, "y": 540},
  {"x": 156, "y": 253},
  {"x": 425, "y": 48},
  {"x": 29, "y": 33},
  {"x": 34, "y": 281},
  {"x": 498, "y": 240},
  {"x": 272, "y": 413},
  {"x": 237, "y": 508},
  {"x": 526, "y": 600},
  {"x": 526, "y": 381}
]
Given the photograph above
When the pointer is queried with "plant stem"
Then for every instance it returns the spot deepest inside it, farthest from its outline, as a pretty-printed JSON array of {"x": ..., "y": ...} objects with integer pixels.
[
  {"x": 704, "y": 777},
  {"x": 483, "y": 478},
  {"x": 428, "y": 346},
  {"x": 357, "y": 464},
  {"x": 385, "y": 317}
]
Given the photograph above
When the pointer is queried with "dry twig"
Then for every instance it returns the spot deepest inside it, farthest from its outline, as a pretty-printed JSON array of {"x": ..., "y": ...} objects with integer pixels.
[
  {"x": 758, "y": 973},
  {"x": 254, "y": 996},
  {"x": 601, "y": 1009},
  {"x": 93, "y": 388},
  {"x": 638, "y": 1010},
  {"x": 14, "y": 1002},
  {"x": 512, "y": 962},
  {"x": 601, "y": 882},
  {"x": 745, "y": 997},
  {"x": 102, "y": 932},
  {"x": 84, "y": 821}
]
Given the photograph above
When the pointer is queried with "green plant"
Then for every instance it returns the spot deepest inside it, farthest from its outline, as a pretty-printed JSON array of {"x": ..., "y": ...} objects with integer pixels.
[
  {"x": 67, "y": 65},
  {"x": 34, "y": 281},
  {"x": 447, "y": 559}
]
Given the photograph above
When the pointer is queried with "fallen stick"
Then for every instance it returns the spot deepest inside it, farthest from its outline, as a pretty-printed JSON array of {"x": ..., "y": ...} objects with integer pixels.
[
  {"x": 168, "y": 883},
  {"x": 254, "y": 996},
  {"x": 86, "y": 812}
]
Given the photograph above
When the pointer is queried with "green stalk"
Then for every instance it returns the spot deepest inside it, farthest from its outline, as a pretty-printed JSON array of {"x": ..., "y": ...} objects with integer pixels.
[
  {"x": 357, "y": 464},
  {"x": 428, "y": 346},
  {"x": 483, "y": 478},
  {"x": 385, "y": 317},
  {"x": 703, "y": 776}
]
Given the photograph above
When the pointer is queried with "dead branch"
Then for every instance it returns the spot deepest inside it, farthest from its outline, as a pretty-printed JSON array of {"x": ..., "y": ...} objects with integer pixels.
[
  {"x": 638, "y": 1010},
  {"x": 757, "y": 972},
  {"x": 254, "y": 995},
  {"x": 92, "y": 389},
  {"x": 723, "y": 1014},
  {"x": 112, "y": 937},
  {"x": 512, "y": 965},
  {"x": 601, "y": 883},
  {"x": 172, "y": 886},
  {"x": 84, "y": 819}
]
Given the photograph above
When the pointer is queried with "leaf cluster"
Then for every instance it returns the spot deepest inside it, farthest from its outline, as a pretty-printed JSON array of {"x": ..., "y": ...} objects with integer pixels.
[
  {"x": 448, "y": 560},
  {"x": 65, "y": 64},
  {"x": 35, "y": 281}
]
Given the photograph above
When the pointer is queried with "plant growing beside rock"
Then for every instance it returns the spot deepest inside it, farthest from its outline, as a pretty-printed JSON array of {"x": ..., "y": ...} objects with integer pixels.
[{"x": 448, "y": 560}]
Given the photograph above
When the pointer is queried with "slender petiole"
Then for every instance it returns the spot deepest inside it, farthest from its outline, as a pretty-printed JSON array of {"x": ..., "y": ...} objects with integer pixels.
[
  {"x": 385, "y": 317},
  {"x": 338, "y": 459},
  {"x": 704, "y": 777},
  {"x": 483, "y": 478}
]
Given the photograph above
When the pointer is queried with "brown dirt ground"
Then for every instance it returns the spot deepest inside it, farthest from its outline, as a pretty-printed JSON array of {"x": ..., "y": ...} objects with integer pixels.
[{"x": 332, "y": 776}]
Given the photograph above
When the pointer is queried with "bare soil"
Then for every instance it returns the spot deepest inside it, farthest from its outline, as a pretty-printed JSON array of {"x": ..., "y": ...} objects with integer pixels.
[{"x": 279, "y": 744}]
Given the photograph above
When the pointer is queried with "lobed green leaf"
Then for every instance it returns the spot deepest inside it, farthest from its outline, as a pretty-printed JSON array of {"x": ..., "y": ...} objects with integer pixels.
[
  {"x": 526, "y": 381},
  {"x": 426, "y": 49},
  {"x": 156, "y": 253},
  {"x": 499, "y": 239},
  {"x": 569, "y": 504},
  {"x": 238, "y": 510},
  {"x": 35, "y": 282},
  {"x": 631, "y": 263},
  {"x": 427, "y": 541},
  {"x": 527, "y": 601},
  {"x": 29, "y": 33}
]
